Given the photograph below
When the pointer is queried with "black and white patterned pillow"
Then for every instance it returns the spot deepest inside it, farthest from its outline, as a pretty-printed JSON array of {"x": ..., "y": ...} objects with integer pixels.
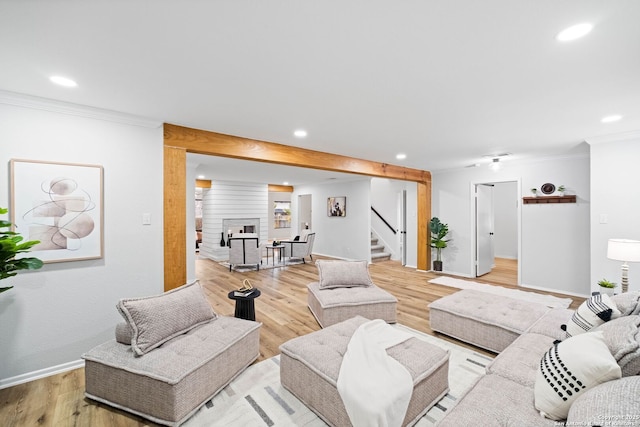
[
  {"x": 592, "y": 312},
  {"x": 569, "y": 369}
]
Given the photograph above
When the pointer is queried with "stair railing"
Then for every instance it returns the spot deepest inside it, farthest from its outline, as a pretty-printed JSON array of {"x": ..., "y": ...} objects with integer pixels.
[{"x": 383, "y": 220}]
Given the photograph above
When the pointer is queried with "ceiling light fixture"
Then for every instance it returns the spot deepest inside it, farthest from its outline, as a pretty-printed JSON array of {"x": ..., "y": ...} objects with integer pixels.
[
  {"x": 611, "y": 118},
  {"x": 285, "y": 183},
  {"x": 63, "y": 81},
  {"x": 300, "y": 133},
  {"x": 574, "y": 32},
  {"x": 495, "y": 164},
  {"x": 401, "y": 156}
]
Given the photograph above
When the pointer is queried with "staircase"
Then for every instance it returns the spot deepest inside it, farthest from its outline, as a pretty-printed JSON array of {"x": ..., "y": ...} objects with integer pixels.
[{"x": 377, "y": 251}]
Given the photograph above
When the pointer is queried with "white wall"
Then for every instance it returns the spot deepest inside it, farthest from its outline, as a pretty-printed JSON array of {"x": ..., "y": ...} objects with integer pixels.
[
  {"x": 614, "y": 177},
  {"x": 341, "y": 237},
  {"x": 55, "y": 314},
  {"x": 231, "y": 200},
  {"x": 554, "y": 238}
]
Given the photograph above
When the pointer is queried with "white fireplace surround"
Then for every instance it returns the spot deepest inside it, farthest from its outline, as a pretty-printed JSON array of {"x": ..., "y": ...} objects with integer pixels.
[{"x": 237, "y": 224}]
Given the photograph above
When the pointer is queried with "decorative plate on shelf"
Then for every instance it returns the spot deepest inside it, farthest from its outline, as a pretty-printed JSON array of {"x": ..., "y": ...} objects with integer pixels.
[{"x": 548, "y": 188}]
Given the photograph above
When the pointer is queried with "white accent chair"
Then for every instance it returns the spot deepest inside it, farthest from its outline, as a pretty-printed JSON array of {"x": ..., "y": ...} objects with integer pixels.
[
  {"x": 300, "y": 248},
  {"x": 244, "y": 249}
]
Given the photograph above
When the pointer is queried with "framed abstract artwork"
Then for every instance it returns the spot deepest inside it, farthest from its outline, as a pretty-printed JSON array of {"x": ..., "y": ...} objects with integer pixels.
[
  {"x": 337, "y": 206},
  {"x": 61, "y": 205}
]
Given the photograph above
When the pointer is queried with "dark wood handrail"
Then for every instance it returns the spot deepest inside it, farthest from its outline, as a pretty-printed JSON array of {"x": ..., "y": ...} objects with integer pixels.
[{"x": 383, "y": 220}]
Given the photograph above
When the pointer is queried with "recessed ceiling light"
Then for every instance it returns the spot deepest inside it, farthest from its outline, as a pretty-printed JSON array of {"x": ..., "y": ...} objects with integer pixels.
[
  {"x": 574, "y": 32},
  {"x": 63, "y": 81},
  {"x": 200, "y": 176},
  {"x": 285, "y": 183},
  {"x": 401, "y": 156},
  {"x": 612, "y": 118},
  {"x": 300, "y": 133}
]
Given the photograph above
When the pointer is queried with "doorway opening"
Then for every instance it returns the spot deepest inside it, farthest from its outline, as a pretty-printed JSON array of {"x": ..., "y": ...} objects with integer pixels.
[{"x": 497, "y": 232}]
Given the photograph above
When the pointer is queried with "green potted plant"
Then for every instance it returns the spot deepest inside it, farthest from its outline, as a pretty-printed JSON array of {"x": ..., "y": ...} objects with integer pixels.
[
  {"x": 562, "y": 189},
  {"x": 606, "y": 287},
  {"x": 438, "y": 231},
  {"x": 11, "y": 244}
]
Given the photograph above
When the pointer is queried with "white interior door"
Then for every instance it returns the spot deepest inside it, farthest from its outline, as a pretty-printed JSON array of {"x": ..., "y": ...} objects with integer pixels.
[
  {"x": 485, "y": 257},
  {"x": 401, "y": 232}
]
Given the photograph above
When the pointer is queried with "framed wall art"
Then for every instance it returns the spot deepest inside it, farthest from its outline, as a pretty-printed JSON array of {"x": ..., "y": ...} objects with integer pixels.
[
  {"x": 337, "y": 206},
  {"x": 61, "y": 205}
]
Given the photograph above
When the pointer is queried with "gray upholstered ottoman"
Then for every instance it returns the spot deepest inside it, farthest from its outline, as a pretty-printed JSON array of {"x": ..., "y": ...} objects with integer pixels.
[
  {"x": 330, "y": 306},
  {"x": 482, "y": 319},
  {"x": 309, "y": 367}
]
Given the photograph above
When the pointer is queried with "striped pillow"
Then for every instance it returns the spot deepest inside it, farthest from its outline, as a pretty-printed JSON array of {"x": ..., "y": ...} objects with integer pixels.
[{"x": 593, "y": 312}]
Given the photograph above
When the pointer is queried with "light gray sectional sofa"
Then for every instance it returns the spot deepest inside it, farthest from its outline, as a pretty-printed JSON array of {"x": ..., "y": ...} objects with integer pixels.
[
  {"x": 171, "y": 356},
  {"x": 551, "y": 366}
]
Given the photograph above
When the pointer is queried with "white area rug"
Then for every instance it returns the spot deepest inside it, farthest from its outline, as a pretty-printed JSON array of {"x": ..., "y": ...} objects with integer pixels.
[
  {"x": 264, "y": 265},
  {"x": 548, "y": 300},
  {"x": 256, "y": 397}
]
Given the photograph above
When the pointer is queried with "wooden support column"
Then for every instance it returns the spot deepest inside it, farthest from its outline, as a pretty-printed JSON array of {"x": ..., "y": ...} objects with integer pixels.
[
  {"x": 175, "y": 217},
  {"x": 424, "y": 215}
]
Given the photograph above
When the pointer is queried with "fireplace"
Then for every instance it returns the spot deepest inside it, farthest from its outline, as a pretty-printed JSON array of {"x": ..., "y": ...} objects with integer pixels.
[{"x": 241, "y": 225}]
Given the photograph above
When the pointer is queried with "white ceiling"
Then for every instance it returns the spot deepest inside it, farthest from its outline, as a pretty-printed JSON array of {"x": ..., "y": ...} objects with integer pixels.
[{"x": 445, "y": 82}]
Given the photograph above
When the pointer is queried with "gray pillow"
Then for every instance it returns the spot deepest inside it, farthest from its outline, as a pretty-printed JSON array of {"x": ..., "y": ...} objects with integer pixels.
[
  {"x": 622, "y": 336},
  {"x": 155, "y": 320},
  {"x": 609, "y": 404},
  {"x": 343, "y": 274},
  {"x": 627, "y": 302}
]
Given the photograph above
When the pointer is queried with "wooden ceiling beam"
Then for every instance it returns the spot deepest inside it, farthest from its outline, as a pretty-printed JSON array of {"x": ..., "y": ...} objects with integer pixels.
[{"x": 218, "y": 144}]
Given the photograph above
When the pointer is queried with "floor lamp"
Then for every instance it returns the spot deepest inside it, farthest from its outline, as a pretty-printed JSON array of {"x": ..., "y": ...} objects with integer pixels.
[{"x": 626, "y": 251}]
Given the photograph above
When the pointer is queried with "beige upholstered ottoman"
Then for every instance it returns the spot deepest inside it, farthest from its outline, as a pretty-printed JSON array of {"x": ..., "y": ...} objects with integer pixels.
[
  {"x": 482, "y": 319},
  {"x": 169, "y": 384},
  {"x": 309, "y": 367},
  {"x": 330, "y": 306}
]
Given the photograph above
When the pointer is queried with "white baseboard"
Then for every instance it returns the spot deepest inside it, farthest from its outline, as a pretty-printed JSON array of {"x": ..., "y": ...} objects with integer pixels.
[
  {"x": 42, "y": 373},
  {"x": 557, "y": 291}
]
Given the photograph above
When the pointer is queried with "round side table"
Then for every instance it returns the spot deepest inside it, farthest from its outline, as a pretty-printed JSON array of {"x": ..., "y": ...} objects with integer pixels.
[{"x": 245, "y": 307}]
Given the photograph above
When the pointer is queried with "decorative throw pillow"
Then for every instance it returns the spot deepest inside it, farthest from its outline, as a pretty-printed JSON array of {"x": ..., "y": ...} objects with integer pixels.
[
  {"x": 622, "y": 336},
  {"x": 627, "y": 302},
  {"x": 343, "y": 274},
  {"x": 155, "y": 320},
  {"x": 123, "y": 333},
  {"x": 591, "y": 313},
  {"x": 569, "y": 369}
]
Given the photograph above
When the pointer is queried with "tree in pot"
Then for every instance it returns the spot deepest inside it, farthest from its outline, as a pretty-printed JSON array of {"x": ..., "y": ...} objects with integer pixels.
[
  {"x": 11, "y": 244},
  {"x": 438, "y": 232}
]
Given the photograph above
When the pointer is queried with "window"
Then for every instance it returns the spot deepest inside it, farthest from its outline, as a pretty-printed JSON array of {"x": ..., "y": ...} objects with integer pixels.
[{"x": 281, "y": 214}]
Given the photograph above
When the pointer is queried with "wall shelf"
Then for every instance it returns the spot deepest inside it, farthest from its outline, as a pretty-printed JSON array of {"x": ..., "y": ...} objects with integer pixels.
[{"x": 548, "y": 199}]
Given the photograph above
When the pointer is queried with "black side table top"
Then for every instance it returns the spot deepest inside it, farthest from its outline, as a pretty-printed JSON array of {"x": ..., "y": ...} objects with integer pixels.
[{"x": 252, "y": 295}]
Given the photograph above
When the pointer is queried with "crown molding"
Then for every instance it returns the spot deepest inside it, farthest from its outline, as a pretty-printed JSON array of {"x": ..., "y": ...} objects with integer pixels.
[
  {"x": 45, "y": 104},
  {"x": 615, "y": 137}
]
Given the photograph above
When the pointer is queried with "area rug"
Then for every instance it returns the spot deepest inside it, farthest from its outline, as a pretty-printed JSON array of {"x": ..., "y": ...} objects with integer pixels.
[
  {"x": 263, "y": 266},
  {"x": 548, "y": 300},
  {"x": 256, "y": 397}
]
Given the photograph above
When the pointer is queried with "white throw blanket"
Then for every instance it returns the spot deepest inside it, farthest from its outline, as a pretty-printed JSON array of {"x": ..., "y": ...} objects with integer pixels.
[{"x": 374, "y": 387}]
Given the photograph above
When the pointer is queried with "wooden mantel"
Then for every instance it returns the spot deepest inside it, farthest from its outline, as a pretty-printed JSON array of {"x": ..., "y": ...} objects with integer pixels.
[{"x": 178, "y": 141}]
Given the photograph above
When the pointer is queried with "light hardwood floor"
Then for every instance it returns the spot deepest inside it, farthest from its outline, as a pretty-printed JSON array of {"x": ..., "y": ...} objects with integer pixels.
[{"x": 58, "y": 400}]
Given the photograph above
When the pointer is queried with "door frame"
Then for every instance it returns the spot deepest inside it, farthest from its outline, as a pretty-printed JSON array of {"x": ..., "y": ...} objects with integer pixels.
[{"x": 472, "y": 216}]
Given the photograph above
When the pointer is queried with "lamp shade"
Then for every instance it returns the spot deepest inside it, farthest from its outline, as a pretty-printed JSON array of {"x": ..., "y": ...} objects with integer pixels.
[{"x": 624, "y": 250}]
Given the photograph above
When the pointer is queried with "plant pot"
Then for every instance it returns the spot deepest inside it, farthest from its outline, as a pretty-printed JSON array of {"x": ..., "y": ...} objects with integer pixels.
[
  {"x": 437, "y": 265},
  {"x": 607, "y": 291}
]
